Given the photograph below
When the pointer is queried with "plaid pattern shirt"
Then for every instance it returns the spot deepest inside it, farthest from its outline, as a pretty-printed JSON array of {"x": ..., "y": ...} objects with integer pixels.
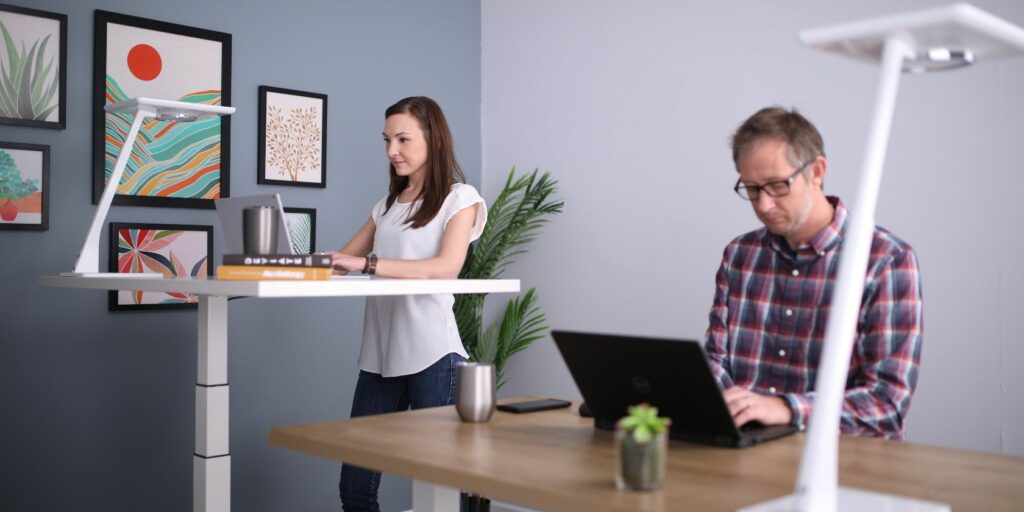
[{"x": 767, "y": 324}]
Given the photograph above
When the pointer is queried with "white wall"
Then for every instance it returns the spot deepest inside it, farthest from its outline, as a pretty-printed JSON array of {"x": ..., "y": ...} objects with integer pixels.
[{"x": 630, "y": 104}]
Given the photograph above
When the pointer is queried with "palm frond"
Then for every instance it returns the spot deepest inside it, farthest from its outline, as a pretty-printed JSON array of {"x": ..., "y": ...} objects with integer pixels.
[{"x": 515, "y": 218}]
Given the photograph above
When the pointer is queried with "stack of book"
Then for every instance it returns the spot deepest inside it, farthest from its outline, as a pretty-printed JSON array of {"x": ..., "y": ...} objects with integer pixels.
[{"x": 244, "y": 267}]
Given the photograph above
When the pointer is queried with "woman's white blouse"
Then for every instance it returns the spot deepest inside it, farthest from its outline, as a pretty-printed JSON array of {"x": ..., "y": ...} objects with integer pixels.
[{"x": 404, "y": 334}]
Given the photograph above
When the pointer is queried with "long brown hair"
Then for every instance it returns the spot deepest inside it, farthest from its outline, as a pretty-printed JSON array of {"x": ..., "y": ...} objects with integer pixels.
[{"x": 442, "y": 168}]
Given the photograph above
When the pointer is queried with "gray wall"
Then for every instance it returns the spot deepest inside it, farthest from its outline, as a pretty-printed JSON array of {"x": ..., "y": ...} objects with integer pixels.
[
  {"x": 630, "y": 104},
  {"x": 98, "y": 407}
]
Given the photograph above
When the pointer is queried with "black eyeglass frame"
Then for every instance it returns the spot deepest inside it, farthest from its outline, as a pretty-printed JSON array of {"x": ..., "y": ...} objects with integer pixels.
[{"x": 753, "y": 192}]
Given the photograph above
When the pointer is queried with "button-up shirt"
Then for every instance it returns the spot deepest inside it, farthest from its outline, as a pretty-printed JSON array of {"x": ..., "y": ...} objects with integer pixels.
[{"x": 767, "y": 324}]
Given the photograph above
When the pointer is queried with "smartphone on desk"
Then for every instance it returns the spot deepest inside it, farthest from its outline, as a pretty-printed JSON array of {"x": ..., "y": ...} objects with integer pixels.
[{"x": 534, "y": 405}]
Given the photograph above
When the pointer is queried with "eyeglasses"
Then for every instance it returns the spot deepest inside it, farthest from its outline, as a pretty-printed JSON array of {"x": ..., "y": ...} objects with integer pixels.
[{"x": 772, "y": 188}]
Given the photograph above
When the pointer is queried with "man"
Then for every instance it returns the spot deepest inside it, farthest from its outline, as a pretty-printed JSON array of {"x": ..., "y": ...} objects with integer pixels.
[{"x": 774, "y": 290}]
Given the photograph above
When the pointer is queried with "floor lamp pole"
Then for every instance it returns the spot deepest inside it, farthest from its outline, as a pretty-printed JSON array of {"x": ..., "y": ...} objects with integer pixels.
[
  {"x": 817, "y": 485},
  {"x": 817, "y": 482}
]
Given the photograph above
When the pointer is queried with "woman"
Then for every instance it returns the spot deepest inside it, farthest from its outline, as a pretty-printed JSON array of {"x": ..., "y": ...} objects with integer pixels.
[{"x": 421, "y": 229}]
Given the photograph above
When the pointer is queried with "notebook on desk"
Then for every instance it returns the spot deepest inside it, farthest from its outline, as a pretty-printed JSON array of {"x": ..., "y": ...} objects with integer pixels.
[{"x": 614, "y": 372}]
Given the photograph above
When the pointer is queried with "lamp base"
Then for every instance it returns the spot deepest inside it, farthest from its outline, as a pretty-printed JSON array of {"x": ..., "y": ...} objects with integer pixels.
[
  {"x": 850, "y": 500},
  {"x": 109, "y": 274}
]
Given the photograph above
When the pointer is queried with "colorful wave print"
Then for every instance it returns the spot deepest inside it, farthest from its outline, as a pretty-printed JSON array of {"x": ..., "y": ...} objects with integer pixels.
[{"x": 178, "y": 160}]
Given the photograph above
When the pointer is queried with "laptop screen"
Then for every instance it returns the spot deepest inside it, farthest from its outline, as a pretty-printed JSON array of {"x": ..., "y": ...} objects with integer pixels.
[{"x": 229, "y": 212}]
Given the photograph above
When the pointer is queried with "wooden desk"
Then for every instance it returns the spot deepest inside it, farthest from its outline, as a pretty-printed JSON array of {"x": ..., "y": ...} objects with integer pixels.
[
  {"x": 557, "y": 461},
  {"x": 211, "y": 461}
]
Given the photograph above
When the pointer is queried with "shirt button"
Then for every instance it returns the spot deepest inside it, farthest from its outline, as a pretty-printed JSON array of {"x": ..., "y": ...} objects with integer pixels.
[
  {"x": 771, "y": 389},
  {"x": 782, "y": 353},
  {"x": 789, "y": 312},
  {"x": 796, "y": 272}
]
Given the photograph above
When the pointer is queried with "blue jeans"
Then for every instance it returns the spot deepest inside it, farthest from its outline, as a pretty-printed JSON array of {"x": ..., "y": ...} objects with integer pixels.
[{"x": 432, "y": 387}]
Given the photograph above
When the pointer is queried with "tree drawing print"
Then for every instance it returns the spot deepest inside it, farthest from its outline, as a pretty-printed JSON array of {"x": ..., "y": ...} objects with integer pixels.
[{"x": 293, "y": 141}]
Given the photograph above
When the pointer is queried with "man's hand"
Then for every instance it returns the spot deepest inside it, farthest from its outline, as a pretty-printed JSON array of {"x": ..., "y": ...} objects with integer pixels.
[{"x": 747, "y": 406}]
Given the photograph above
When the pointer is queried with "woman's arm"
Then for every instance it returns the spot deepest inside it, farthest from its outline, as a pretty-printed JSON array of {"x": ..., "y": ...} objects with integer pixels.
[
  {"x": 356, "y": 249},
  {"x": 445, "y": 265}
]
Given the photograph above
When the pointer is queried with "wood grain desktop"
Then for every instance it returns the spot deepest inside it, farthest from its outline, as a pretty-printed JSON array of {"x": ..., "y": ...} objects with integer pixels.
[{"x": 556, "y": 460}]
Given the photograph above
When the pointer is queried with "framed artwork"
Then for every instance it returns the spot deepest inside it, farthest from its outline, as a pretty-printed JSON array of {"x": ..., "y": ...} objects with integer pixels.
[
  {"x": 178, "y": 164},
  {"x": 301, "y": 229},
  {"x": 34, "y": 83},
  {"x": 174, "y": 250},
  {"x": 293, "y": 138},
  {"x": 24, "y": 186}
]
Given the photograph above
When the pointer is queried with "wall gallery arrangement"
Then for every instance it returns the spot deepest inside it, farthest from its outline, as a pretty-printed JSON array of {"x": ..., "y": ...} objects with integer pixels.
[
  {"x": 293, "y": 138},
  {"x": 24, "y": 186},
  {"x": 173, "y": 164},
  {"x": 171, "y": 250},
  {"x": 33, "y": 82}
]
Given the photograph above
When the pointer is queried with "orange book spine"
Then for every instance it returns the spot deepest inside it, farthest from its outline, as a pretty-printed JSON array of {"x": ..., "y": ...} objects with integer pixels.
[{"x": 270, "y": 273}]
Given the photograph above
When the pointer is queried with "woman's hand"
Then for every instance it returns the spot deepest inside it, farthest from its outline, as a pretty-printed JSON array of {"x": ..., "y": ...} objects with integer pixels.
[{"x": 346, "y": 262}]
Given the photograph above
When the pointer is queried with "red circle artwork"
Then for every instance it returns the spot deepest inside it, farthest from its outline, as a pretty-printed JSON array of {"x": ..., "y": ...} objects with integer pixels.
[{"x": 144, "y": 62}]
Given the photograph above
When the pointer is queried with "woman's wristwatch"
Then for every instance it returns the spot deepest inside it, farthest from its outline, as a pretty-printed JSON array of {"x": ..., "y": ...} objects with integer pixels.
[{"x": 371, "y": 264}]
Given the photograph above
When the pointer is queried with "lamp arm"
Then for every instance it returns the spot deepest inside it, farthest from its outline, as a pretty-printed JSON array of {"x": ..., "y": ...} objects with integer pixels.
[
  {"x": 816, "y": 487},
  {"x": 88, "y": 257}
]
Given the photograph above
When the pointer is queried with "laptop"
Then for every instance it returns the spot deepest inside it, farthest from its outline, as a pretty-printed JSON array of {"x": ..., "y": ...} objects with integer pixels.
[
  {"x": 229, "y": 212},
  {"x": 614, "y": 372}
]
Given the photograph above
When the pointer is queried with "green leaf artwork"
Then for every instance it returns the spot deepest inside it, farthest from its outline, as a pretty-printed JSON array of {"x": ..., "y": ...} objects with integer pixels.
[{"x": 28, "y": 80}]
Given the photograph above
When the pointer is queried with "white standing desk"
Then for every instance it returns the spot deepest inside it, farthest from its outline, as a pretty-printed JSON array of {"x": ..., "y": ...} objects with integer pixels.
[{"x": 211, "y": 461}]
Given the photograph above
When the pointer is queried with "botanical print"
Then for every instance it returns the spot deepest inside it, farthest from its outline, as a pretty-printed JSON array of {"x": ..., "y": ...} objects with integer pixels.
[
  {"x": 31, "y": 67},
  {"x": 172, "y": 251},
  {"x": 171, "y": 161},
  {"x": 293, "y": 138},
  {"x": 301, "y": 229},
  {"x": 23, "y": 174}
]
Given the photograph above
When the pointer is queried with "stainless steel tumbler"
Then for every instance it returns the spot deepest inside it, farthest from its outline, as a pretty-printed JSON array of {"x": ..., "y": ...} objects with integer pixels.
[
  {"x": 474, "y": 391},
  {"x": 259, "y": 235}
]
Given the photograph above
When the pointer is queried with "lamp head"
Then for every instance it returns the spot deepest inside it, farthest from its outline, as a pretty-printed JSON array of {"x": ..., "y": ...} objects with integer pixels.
[
  {"x": 167, "y": 110},
  {"x": 948, "y": 37}
]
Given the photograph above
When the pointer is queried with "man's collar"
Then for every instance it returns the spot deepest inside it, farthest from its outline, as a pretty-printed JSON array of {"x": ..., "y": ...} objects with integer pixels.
[{"x": 823, "y": 240}]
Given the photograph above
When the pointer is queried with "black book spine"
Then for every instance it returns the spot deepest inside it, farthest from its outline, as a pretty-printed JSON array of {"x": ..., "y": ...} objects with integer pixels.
[{"x": 279, "y": 260}]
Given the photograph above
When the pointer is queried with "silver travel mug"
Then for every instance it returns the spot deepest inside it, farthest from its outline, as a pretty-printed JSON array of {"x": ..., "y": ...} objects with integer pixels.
[
  {"x": 474, "y": 391},
  {"x": 259, "y": 234}
]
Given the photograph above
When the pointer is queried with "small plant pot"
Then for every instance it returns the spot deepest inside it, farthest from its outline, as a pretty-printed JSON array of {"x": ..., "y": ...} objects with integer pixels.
[
  {"x": 8, "y": 210},
  {"x": 640, "y": 466}
]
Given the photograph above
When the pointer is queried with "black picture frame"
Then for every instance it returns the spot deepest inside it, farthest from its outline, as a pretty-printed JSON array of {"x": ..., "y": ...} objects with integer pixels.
[
  {"x": 266, "y": 170},
  {"x": 6, "y": 219},
  {"x": 61, "y": 61},
  {"x": 155, "y": 260},
  {"x": 199, "y": 193},
  {"x": 311, "y": 212}
]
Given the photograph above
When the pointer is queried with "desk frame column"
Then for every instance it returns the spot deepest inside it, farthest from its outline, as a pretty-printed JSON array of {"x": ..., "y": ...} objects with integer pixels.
[
  {"x": 211, "y": 462},
  {"x": 428, "y": 497}
]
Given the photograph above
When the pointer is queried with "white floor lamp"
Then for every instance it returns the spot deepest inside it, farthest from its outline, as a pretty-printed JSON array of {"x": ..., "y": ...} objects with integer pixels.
[
  {"x": 162, "y": 110},
  {"x": 942, "y": 38}
]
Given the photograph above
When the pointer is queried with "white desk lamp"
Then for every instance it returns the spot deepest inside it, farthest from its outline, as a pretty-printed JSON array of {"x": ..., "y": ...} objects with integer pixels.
[
  {"x": 921, "y": 41},
  {"x": 161, "y": 110}
]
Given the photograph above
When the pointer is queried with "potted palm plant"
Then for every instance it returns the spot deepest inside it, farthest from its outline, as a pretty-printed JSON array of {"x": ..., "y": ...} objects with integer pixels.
[{"x": 514, "y": 219}]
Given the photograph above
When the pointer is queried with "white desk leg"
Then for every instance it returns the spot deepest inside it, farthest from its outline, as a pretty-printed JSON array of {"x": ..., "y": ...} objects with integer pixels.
[
  {"x": 211, "y": 462},
  {"x": 433, "y": 498}
]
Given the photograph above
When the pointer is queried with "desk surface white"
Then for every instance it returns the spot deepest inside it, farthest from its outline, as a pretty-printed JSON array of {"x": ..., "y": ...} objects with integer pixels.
[{"x": 351, "y": 287}]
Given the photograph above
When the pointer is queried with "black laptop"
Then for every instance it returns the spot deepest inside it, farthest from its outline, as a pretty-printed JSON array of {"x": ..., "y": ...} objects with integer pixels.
[{"x": 614, "y": 372}]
